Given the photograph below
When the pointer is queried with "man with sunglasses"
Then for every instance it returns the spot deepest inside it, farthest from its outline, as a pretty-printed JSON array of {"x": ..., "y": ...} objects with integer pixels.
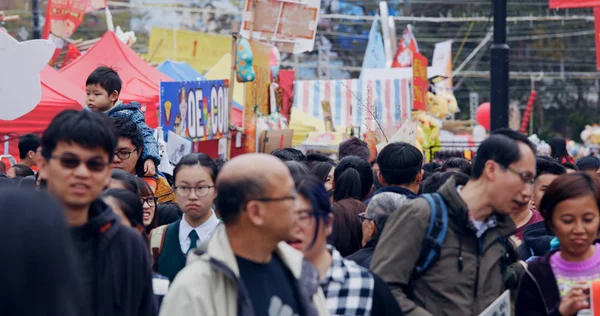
[
  {"x": 468, "y": 272},
  {"x": 114, "y": 264},
  {"x": 247, "y": 268}
]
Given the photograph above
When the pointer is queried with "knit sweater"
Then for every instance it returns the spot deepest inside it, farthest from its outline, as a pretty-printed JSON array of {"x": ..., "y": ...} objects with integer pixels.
[{"x": 568, "y": 273}]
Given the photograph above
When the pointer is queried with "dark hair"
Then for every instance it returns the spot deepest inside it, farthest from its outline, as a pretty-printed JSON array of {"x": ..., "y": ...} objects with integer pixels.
[
  {"x": 220, "y": 162},
  {"x": 589, "y": 163},
  {"x": 347, "y": 229},
  {"x": 354, "y": 147},
  {"x": 546, "y": 165},
  {"x": 127, "y": 129},
  {"x": 168, "y": 213},
  {"x": 400, "y": 163},
  {"x": 316, "y": 158},
  {"x": 288, "y": 154},
  {"x": 558, "y": 148},
  {"x": 28, "y": 142},
  {"x": 130, "y": 203},
  {"x": 42, "y": 257},
  {"x": 84, "y": 128},
  {"x": 144, "y": 190},
  {"x": 565, "y": 187},
  {"x": 436, "y": 180},
  {"x": 569, "y": 165},
  {"x": 499, "y": 148},
  {"x": 311, "y": 188},
  {"x": 297, "y": 169},
  {"x": 235, "y": 193},
  {"x": 322, "y": 169},
  {"x": 105, "y": 77},
  {"x": 353, "y": 178},
  {"x": 22, "y": 171},
  {"x": 431, "y": 167},
  {"x": 459, "y": 164},
  {"x": 197, "y": 159},
  {"x": 516, "y": 136},
  {"x": 129, "y": 181}
]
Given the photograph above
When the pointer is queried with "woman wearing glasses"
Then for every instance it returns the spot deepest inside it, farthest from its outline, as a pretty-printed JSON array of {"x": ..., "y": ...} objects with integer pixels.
[{"x": 194, "y": 179}]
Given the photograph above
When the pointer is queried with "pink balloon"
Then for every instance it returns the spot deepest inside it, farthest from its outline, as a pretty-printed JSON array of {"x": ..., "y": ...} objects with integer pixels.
[{"x": 482, "y": 115}]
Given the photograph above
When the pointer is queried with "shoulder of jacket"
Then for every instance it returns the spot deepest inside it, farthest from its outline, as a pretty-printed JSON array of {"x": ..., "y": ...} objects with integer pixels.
[{"x": 415, "y": 209}]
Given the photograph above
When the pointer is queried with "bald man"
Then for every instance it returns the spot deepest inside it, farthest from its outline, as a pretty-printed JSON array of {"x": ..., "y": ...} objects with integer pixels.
[{"x": 247, "y": 268}]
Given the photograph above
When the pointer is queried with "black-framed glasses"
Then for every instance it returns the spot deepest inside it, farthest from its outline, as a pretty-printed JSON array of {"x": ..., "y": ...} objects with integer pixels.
[
  {"x": 71, "y": 162},
  {"x": 526, "y": 177},
  {"x": 124, "y": 154},
  {"x": 152, "y": 201},
  {"x": 185, "y": 190},
  {"x": 303, "y": 217},
  {"x": 363, "y": 217}
]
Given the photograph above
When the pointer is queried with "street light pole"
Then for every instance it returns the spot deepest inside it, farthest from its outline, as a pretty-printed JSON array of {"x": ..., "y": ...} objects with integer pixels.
[
  {"x": 37, "y": 33},
  {"x": 499, "y": 69}
]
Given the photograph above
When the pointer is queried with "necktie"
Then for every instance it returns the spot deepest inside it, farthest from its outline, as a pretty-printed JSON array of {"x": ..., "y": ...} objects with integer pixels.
[{"x": 193, "y": 240}]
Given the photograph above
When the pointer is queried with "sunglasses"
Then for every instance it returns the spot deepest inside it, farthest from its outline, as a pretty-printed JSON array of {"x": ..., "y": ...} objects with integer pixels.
[{"x": 72, "y": 162}]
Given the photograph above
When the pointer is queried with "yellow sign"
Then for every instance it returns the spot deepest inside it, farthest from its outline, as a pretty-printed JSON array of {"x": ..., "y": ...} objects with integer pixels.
[
  {"x": 202, "y": 51},
  {"x": 256, "y": 92}
]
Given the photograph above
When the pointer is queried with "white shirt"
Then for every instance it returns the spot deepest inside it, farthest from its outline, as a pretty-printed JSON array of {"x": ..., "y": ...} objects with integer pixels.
[{"x": 204, "y": 231}]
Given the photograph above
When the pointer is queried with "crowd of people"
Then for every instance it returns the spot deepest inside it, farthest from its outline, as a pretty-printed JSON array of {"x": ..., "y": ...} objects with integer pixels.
[{"x": 96, "y": 229}]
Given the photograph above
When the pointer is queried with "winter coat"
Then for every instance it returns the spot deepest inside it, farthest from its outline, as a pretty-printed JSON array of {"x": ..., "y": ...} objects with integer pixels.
[
  {"x": 394, "y": 189},
  {"x": 466, "y": 278}
]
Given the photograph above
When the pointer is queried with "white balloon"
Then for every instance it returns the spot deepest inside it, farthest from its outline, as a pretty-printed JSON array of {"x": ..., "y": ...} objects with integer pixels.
[
  {"x": 20, "y": 67},
  {"x": 479, "y": 133}
]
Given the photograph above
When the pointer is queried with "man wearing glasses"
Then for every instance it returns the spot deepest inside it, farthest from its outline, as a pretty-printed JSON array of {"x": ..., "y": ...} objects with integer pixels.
[
  {"x": 127, "y": 157},
  {"x": 247, "y": 268},
  {"x": 468, "y": 274},
  {"x": 114, "y": 265}
]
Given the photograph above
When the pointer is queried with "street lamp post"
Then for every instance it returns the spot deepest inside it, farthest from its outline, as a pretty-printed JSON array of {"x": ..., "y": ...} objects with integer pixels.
[
  {"x": 499, "y": 69},
  {"x": 37, "y": 33}
]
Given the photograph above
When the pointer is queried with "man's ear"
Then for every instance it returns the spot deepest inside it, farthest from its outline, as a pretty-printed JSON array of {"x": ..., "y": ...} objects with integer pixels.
[{"x": 381, "y": 180}]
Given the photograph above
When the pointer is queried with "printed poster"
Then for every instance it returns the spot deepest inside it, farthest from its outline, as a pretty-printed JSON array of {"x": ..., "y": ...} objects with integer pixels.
[{"x": 196, "y": 110}]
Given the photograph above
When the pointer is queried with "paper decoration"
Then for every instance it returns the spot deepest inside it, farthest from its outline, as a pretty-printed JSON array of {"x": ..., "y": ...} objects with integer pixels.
[
  {"x": 442, "y": 58},
  {"x": 375, "y": 52},
  {"x": 420, "y": 82},
  {"x": 290, "y": 24},
  {"x": 177, "y": 147},
  {"x": 407, "y": 47},
  {"x": 20, "y": 66},
  {"x": 407, "y": 133}
]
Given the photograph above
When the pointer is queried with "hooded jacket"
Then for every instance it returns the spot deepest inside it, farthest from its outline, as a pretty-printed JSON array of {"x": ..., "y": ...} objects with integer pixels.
[
  {"x": 538, "y": 293},
  {"x": 132, "y": 112},
  {"x": 466, "y": 278},
  {"x": 114, "y": 265},
  {"x": 38, "y": 257},
  {"x": 211, "y": 285}
]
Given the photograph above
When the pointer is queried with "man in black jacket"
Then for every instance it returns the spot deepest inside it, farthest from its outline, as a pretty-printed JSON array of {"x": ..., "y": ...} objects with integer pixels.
[{"x": 114, "y": 263}]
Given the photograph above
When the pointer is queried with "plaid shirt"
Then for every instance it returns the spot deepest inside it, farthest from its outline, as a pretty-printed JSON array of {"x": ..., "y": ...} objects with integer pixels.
[{"x": 348, "y": 287}]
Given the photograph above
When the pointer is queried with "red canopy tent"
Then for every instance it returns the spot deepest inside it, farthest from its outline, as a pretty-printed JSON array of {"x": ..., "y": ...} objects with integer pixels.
[
  {"x": 141, "y": 82},
  {"x": 58, "y": 94}
]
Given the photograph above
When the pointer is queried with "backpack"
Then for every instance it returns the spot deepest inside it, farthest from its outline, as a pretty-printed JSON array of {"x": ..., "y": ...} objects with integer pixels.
[
  {"x": 157, "y": 240},
  {"x": 434, "y": 239}
]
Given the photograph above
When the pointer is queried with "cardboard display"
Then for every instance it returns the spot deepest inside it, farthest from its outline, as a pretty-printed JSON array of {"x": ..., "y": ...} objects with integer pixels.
[{"x": 275, "y": 139}]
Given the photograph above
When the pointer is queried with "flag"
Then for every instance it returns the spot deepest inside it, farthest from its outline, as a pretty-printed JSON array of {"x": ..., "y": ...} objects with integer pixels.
[
  {"x": 375, "y": 53},
  {"x": 64, "y": 16},
  {"x": 406, "y": 48},
  {"x": 442, "y": 58}
]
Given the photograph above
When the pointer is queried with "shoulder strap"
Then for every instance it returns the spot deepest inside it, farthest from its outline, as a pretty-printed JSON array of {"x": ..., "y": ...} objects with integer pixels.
[
  {"x": 157, "y": 240},
  {"x": 434, "y": 239}
]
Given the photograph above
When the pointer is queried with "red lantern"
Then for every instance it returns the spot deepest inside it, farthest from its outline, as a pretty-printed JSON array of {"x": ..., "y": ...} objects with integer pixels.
[{"x": 482, "y": 115}]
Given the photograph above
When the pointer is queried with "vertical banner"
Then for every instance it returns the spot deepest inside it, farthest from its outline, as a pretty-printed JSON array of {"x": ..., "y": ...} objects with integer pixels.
[
  {"x": 64, "y": 16},
  {"x": 442, "y": 58},
  {"x": 256, "y": 92},
  {"x": 195, "y": 110},
  {"x": 597, "y": 35},
  {"x": 420, "y": 83}
]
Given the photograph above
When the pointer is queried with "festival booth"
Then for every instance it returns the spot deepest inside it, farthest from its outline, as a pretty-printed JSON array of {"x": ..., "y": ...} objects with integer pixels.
[
  {"x": 141, "y": 82},
  {"x": 179, "y": 71},
  {"x": 58, "y": 94}
]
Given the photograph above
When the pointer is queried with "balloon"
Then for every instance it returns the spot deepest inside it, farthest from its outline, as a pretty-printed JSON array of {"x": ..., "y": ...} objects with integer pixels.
[
  {"x": 482, "y": 115},
  {"x": 478, "y": 133}
]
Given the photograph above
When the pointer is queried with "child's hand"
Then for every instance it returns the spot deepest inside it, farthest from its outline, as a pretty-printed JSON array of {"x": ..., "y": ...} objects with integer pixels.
[{"x": 149, "y": 168}]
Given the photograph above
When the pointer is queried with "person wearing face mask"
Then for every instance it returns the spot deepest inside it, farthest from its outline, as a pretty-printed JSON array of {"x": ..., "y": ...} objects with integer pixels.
[
  {"x": 194, "y": 178},
  {"x": 559, "y": 282},
  {"x": 349, "y": 288}
]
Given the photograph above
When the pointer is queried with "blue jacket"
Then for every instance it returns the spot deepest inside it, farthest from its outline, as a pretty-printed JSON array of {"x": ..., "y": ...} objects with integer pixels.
[
  {"x": 132, "y": 111},
  {"x": 394, "y": 189}
]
